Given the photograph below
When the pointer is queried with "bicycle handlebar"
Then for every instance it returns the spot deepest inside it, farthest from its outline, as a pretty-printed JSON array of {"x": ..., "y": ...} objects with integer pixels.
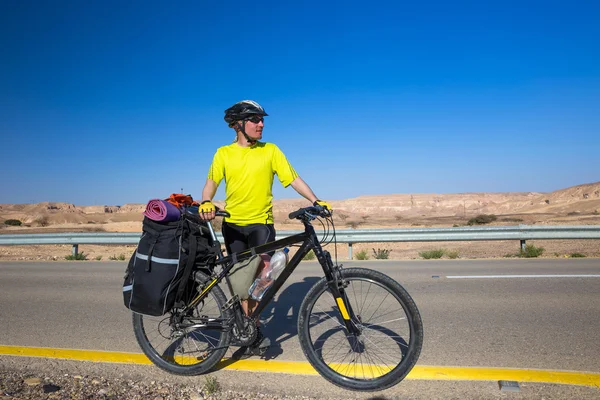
[
  {"x": 222, "y": 213},
  {"x": 311, "y": 212}
]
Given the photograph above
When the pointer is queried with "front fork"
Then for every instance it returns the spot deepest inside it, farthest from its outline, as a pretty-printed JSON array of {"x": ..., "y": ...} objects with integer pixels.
[{"x": 335, "y": 283}]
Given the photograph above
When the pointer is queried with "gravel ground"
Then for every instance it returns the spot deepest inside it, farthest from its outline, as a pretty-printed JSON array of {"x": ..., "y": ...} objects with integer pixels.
[
  {"x": 29, "y": 379},
  {"x": 32, "y": 385}
]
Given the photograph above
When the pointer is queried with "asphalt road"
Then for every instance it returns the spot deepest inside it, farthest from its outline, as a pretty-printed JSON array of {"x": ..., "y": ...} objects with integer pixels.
[{"x": 549, "y": 320}]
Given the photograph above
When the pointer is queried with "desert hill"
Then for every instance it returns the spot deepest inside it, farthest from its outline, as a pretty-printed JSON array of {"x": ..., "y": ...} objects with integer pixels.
[{"x": 396, "y": 209}]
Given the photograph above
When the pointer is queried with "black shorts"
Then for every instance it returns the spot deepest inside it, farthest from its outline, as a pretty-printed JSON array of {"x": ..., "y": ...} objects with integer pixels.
[{"x": 239, "y": 238}]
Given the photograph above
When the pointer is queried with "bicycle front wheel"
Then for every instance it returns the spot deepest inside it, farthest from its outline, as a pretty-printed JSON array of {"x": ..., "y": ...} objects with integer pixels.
[
  {"x": 390, "y": 339},
  {"x": 190, "y": 350}
]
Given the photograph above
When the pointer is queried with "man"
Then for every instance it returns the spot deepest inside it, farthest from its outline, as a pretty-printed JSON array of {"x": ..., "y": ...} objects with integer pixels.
[{"x": 248, "y": 167}]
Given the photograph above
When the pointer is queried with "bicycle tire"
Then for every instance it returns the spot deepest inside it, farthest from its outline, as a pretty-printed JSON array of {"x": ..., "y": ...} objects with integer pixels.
[
  {"x": 375, "y": 376},
  {"x": 167, "y": 359}
]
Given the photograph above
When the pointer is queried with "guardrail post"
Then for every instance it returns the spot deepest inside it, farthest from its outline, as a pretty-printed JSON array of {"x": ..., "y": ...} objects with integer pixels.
[
  {"x": 350, "y": 251},
  {"x": 75, "y": 248},
  {"x": 522, "y": 244}
]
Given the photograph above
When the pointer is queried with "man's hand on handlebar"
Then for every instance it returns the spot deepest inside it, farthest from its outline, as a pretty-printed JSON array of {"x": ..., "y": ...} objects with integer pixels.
[
  {"x": 323, "y": 204},
  {"x": 207, "y": 210}
]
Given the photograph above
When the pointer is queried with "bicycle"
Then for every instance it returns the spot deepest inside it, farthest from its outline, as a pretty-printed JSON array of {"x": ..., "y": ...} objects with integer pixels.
[{"x": 333, "y": 323}]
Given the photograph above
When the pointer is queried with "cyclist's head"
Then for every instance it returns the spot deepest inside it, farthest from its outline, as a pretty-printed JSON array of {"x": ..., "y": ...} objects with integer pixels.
[
  {"x": 243, "y": 111},
  {"x": 246, "y": 117}
]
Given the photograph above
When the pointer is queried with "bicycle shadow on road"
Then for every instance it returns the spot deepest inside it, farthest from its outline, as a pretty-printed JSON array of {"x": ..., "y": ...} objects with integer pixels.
[{"x": 282, "y": 314}]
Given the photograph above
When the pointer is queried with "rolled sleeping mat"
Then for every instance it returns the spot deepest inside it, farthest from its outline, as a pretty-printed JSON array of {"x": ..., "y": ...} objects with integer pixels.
[{"x": 162, "y": 211}]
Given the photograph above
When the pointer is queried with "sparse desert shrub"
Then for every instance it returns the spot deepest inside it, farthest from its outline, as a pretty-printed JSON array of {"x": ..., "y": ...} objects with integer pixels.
[
  {"x": 121, "y": 257},
  {"x": 13, "y": 222},
  {"x": 595, "y": 212},
  {"x": 211, "y": 385},
  {"x": 97, "y": 229},
  {"x": 482, "y": 219},
  {"x": 456, "y": 226},
  {"x": 77, "y": 257},
  {"x": 381, "y": 254},
  {"x": 547, "y": 201},
  {"x": 577, "y": 255},
  {"x": 353, "y": 224},
  {"x": 452, "y": 254},
  {"x": 43, "y": 221},
  {"x": 432, "y": 254},
  {"x": 342, "y": 216},
  {"x": 309, "y": 256},
  {"x": 531, "y": 251},
  {"x": 573, "y": 213},
  {"x": 512, "y": 219},
  {"x": 362, "y": 255},
  {"x": 98, "y": 258}
]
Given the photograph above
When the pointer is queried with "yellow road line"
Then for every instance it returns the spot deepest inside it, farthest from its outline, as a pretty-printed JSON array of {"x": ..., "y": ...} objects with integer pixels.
[
  {"x": 421, "y": 372},
  {"x": 81, "y": 355}
]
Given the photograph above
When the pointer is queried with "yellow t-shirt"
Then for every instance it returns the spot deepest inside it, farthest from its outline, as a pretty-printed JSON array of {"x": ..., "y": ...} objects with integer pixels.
[{"x": 248, "y": 174}]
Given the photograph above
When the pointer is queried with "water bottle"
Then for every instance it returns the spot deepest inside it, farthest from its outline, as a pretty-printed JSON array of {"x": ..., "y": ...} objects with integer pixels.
[
  {"x": 278, "y": 263},
  {"x": 269, "y": 274}
]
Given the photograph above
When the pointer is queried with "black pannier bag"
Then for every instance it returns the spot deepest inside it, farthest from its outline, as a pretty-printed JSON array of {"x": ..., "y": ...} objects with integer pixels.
[{"x": 159, "y": 269}]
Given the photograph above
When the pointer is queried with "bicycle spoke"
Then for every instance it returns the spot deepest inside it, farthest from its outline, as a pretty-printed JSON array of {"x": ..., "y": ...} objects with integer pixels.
[
  {"x": 385, "y": 322},
  {"x": 331, "y": 318},
  {"x": 384, "y": 354},
  {"x": 207, "y": 337},
  {"x": 382, "y": 300},
  {"x": 371, "y": 302}
]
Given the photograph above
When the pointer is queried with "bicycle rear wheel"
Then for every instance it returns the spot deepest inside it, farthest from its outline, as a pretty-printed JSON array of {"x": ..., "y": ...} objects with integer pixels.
[
  {"x": 391, "y": 335},
  {"x": 187, "y": 350}
]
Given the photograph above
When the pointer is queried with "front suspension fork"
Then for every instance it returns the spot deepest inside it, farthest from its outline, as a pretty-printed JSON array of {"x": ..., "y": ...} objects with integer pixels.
[
  {"x": 346, "y": 311},
  {"x": 336, "y": 286}
]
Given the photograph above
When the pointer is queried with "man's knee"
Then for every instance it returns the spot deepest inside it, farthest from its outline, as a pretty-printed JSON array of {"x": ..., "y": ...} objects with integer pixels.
[{"x": 264, "y": 264}]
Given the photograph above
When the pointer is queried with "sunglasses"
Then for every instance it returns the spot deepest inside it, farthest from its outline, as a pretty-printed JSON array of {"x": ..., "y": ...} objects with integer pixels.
[{"x": 255, "y": 118}]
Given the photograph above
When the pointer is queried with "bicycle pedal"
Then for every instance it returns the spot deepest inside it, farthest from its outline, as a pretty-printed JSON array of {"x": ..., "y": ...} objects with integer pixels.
[{"x": 230, "y": 302}]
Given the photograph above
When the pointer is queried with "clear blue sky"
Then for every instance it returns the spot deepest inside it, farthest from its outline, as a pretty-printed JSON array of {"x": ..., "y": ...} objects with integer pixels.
[{"x": 113, "y": 102}]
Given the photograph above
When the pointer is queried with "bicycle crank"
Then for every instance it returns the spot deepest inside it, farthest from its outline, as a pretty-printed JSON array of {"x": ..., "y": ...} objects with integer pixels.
[{"x": 247, "y": 336}]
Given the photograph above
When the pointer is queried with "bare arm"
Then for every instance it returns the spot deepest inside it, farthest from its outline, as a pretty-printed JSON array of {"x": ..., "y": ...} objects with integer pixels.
[
  {"x": 303, "y": 189},
  {"x": 210, "y": 188}
]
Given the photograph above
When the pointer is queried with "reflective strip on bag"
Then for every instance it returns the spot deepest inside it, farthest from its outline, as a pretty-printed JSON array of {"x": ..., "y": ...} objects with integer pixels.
[
  {"x": 158, "y": 259},
  {"x": 127, "y": 288}
]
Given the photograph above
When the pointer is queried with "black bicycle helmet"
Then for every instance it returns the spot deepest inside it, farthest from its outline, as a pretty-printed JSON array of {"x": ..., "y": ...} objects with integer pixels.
[{"x": 242, "y": 110}]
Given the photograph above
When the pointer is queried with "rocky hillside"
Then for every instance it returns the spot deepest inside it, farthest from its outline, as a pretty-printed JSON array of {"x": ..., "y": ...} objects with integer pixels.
[{"x": 581, "y": 199}]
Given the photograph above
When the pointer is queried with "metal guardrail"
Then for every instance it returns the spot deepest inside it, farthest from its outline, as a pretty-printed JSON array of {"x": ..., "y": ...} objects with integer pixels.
[{"x": 349, "y": 236}]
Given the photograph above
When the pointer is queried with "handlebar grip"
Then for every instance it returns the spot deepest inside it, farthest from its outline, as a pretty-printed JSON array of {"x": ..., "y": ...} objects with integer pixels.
[
  {"x": 222, "y": 213},
  {"x": 297, "y": 213}
]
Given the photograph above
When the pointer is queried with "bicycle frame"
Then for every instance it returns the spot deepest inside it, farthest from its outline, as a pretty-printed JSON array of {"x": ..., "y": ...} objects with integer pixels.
[{"x": 309, "y": 241}]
